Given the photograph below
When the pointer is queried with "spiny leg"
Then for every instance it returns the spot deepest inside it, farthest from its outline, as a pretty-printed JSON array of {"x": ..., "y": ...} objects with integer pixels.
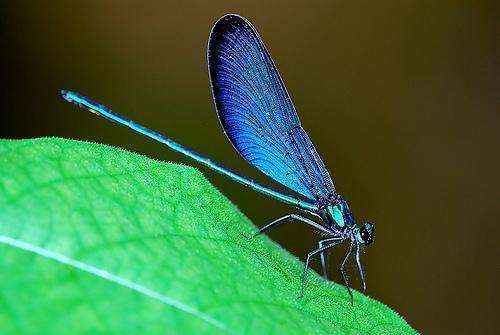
[
  {"x": 286, "y": 218},
  {"x": 360, "y": 267},
  {"x": 342, "y": 271},
  {"x": 311, "y": 254}
]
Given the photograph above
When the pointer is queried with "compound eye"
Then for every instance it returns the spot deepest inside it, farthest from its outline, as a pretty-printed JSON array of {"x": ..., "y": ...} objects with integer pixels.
[
  {"x": 366, "y": 233},
  {"x": 365, "y": 236}
]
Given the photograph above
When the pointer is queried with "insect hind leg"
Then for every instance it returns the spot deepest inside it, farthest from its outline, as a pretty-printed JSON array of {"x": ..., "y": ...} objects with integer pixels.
[{"x": 289, "y": 218}]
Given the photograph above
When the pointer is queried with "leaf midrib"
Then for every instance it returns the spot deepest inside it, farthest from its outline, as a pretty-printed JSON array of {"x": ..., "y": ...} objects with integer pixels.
[{"x": 103, "y": 274}]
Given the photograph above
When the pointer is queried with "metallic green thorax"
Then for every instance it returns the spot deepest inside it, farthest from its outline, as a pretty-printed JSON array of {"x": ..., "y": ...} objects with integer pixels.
[{"x": 339, "y": 214}]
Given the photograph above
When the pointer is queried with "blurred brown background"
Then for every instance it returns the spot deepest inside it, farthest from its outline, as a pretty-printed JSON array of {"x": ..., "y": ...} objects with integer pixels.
[{"x": 401, "y": 99}]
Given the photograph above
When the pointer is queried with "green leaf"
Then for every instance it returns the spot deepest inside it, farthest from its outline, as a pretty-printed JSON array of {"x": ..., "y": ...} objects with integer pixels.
[{"x": 94, "y": 239}]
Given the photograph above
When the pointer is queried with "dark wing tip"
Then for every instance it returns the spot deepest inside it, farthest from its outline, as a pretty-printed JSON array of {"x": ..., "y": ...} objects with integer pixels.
[
  {"x": 225, "y": 24},
  {"x": 223, "y": 27},
  {"x": 230, "y": 18}
]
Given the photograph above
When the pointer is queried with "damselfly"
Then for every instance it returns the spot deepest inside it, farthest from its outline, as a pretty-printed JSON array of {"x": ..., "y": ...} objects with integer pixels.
[{"x": 260, "y": 120}]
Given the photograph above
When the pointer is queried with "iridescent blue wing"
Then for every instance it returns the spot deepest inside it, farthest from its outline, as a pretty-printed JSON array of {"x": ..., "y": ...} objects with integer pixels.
[{"x": 257, "y": 113}]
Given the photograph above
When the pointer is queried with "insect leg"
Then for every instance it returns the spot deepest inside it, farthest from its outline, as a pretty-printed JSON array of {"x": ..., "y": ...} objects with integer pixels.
[
  {"x": 323, "y": 260},
  {"x": 286, "y": 218},
  {"x": 311, "y": 254},
  {"x": 342, "y": 271},
  {"x": 360, "y": 266},
  {"x": 323, "y": 255}
]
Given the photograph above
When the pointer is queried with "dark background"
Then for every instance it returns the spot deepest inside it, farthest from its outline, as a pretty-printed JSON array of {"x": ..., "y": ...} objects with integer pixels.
[{"x": 401, "y": 99}]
